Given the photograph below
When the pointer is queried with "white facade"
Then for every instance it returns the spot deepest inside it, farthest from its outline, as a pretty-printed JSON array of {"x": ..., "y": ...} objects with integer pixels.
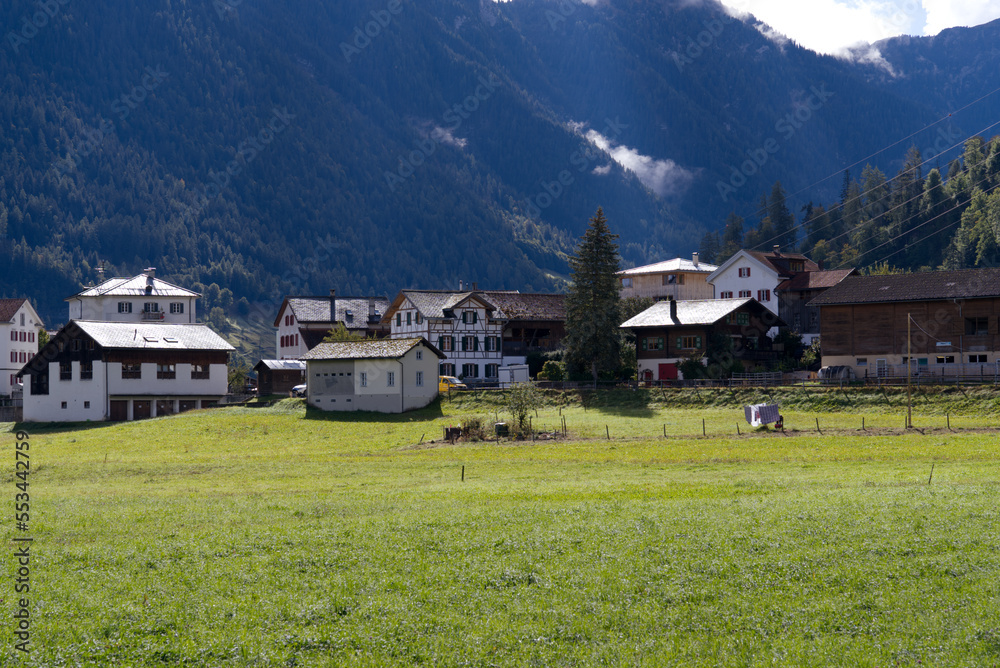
[
  {"x": 745, "y": 277},
  {"x": 142, "y": 298},
  {"x": 463, "y": 330},
  {"x": 287, "y": 340},
  {"x": 398, "y": 382},
  {"x": 18, "y": 341}
]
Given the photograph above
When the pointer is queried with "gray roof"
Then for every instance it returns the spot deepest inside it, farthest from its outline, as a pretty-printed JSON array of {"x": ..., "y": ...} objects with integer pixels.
[
  {"x": 513, "y": 305},
  {"x": 282, "y": 365},
  {"x": 151, "y": 336},
  {"x": 317, "y": 309},
  {"x": 916, "y": 287},
  {"x": 368, "y": 349},
  {"x": 135, "y": 287},
  {"x": 434, "y": 303},
  {"x": 689, "y": 312}
]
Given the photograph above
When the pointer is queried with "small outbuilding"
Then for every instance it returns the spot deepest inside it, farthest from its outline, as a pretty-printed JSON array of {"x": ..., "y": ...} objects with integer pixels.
[
  {"x": 279, "y": 376},
  {"x": 383, "y": 375}
]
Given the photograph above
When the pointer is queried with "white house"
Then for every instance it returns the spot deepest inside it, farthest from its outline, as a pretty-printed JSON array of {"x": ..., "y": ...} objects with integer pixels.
[
  {"x": 125, "y": 371},
  {"x": 142, "y": 298},
  {"x": 461, "y": 324},
  {"x": 303, "y": 322},
  {"x": 678, "y": 279},
  {"x": 384, "y": 375},
  {"x": 19, "y": 325}
]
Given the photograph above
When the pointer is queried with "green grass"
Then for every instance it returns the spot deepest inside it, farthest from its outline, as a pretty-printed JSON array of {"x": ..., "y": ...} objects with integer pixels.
[{"x": 274, "y": 536}]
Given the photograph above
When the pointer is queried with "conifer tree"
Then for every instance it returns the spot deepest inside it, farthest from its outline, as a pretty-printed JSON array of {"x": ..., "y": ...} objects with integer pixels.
[{"x": 593, "y": 337}]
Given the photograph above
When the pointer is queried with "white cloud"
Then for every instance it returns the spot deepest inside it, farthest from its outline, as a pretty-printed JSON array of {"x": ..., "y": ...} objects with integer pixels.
[
  {"x": 663, "y": 177},
  {"x": 444, "y": 136},
  {"x": 832, "y": 26}
]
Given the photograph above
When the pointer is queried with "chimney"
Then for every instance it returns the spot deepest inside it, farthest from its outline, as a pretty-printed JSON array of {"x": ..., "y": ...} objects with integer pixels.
[
  {"x": 333, "y": 305},
  {"x": 461, "y": 285},
  {"x": 475, "y": 286},
  {"x": 673, "y": 309},
  {"x": 777, "y": 250},
  {"x": 694, "y": 259},
  {"x": 150, "y": 272},
  {"x": 371, "y": 310}
]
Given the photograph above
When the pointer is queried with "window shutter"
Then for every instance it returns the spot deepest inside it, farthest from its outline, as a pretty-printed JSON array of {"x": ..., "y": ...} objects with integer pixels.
[
  {"x": 465, "y": 319},
  {"x": 475, "y": 340},
  {"x": 475, "y": 317},
  {"x": 644, "y": 344},
  {"x": 452, "y": 342},
  {"x": 697, "y": 342},
  {"x": 440, "y": 343},
  {"x": 661, "y": 343},
  {"x": 399, "y": 319},
  {"x": 680, "y": 344},
  {"x": 748, "y": 272}
]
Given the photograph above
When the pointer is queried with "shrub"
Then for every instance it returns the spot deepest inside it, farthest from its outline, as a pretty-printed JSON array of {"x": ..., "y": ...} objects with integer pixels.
[
  {"x": 521, "y": 400},
  {"x": 553, "y": 371}
]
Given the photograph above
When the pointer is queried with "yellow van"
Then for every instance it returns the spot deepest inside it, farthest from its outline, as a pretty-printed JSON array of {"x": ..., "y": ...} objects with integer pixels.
[{"x": 446, "y": 383}]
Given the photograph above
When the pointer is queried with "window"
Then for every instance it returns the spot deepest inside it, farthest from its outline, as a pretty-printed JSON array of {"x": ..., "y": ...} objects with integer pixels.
[
  {"x": 688, "y": 342},
  {"x": 626, "y": 281},
  {"x": 470, "y": 343},
  {"x": 24, "y": 336},
  {"x": 796, "y": 265},
  {"x": 977, "y": 326},
  {"x": 945, "y": 359},
  {"x": 653, "y": 343},
  {"x": 446, "y": 344},
  {"x": 726, "y": 295},
  {"x": 86, "y": 404},
  {"x": 65, "y": 371},
  {"x": 977, "y": 359},
  {"x": 22, "y": 320},
  {"x": 446, "y": 369},
  {"x": 491, "y": 343},
  {"x": 86, "y": 371},
  {"x": 390, "y": 378},
  {"x": 673, "y": 279},
  {"x": 744, "y": 272},
  {"x": 399, "y": 319},
  {"x": 77, "y": 345},
  {"x": 420, "y": 379},
  {"x": 470, "y": 371},
  {"x": 177, "y": 307},
  {"x": 861, "y": 361},
  {"x": 420, "y": 318},
  {"x": 409, "y": 318},
  {"x": 744, "y": 294},
  {"x": 364, "y": 379},
  {"x": 470, "y": 317},
  {"x": 166, "y": 371},
  {"x": 63, "y": 405},
  {"x": 742, "y": 318},
  {"x": 420, "y": 355},
  {"x": 199, "y": 372},
  {"x": 31, "y": 337},
  {"x": 131, "y": 371},
  {"x": 492, "y": 370},
  {"x": 763, "y": 295},
  {"x": 151, "y": 307}
]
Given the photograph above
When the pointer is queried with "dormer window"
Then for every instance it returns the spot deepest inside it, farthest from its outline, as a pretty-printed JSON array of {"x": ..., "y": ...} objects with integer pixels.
[{"x": 797, "y": 265}]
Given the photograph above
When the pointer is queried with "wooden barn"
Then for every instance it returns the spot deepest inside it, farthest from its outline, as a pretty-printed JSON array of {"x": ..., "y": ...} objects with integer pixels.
[{"x": 279, "y": 376}]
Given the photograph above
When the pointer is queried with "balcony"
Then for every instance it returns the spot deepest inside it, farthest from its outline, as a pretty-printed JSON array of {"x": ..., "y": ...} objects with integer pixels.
[{"x": 153, "y": 315}]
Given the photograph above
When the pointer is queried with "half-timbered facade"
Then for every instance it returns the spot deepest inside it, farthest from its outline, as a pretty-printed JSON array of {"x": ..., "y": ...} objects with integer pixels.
[
  {"x": 142, "y": 298},
  {"x": 941, "y": 323},
  {"x": 463, "y": 326},
  {"x": 669, "y": 332},
  {"x": 19, "y": 325},
  {"x": 95, "y": 371}
]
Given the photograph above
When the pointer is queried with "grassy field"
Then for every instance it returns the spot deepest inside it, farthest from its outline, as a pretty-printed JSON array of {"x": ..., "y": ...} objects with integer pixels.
[{"x": 277, "y": 537}]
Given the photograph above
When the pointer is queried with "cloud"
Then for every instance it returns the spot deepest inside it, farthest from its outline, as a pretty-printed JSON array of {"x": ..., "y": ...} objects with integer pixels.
[
  {"x": 663, "y": 177},
  {"x": 834, "y": 26},
  {"x": 443, "y": 136}
]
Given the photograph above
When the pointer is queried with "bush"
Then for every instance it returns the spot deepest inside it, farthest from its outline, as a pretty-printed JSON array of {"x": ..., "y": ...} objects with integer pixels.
[
  {"x": 475, "y": 429},
  {"x": 552, "y": 371},
  {"x": 522, "y": 398}
]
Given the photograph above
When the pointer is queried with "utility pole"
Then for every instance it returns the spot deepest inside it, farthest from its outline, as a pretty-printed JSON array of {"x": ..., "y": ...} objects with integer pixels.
[{"x": 909, "y": 363}]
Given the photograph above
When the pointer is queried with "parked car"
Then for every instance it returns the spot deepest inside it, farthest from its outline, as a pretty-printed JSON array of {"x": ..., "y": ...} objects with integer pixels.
[
  {"x": 446, "y": 383},
  {"x": 299, "y": 390}
]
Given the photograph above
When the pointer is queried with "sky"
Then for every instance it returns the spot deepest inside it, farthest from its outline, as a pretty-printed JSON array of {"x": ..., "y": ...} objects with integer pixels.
[{"x": 830, "y": 26}]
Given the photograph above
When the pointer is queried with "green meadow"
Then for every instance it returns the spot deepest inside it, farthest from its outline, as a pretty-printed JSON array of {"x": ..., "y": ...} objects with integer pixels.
[{"x": 285, "y": 537}]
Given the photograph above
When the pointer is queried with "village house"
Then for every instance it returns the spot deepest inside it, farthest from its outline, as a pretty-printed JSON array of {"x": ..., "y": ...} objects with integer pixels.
[
  {"x": 19, "y": 325},
  {"x": 941, "y": 323},
  {"x": 142, "y": 298},
  {"x": 94, "y": 371},
  {"x": 385, "y": 375},
  {"x": 303, "y": 322},
  {"x": 463, "y": 326},
  {"x": 531, "y": 323},
  {"x": 670, "y": 332},
  {"x": 678, "y": 279},
  {"x": 757, "y": 275},
  {"x": 795, "y": 295}
]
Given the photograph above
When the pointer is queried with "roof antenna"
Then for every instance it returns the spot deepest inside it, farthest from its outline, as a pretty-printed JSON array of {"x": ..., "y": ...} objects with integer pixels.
[{"x": 100, "y": 272}]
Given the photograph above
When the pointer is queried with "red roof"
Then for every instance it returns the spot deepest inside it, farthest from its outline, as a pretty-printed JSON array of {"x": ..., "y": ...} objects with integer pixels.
[{"x": 9, "y": 308}]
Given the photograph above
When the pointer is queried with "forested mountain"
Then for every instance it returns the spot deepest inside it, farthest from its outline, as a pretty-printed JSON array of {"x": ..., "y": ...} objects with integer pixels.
[{"x": 369, "y": 145}]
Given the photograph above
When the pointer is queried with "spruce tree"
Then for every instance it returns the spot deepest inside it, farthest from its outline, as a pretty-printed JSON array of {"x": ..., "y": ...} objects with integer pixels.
[
  {"x": 593, "y": 337},
  {"x": 781, "y": 219}
]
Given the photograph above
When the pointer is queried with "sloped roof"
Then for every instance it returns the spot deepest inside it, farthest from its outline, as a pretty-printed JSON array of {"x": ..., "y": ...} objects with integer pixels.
[
  {"x": 368, "y": 349},
  {"x": 317, "y": 309},
  {"x": 135, "y": 287},
  {"x": 690, "y": 312},
  {"x": 131, "y": 335},
  {"x": 916, "y": 287},
  {"x": 513, "y": 305},
  {"x": 815, "y": 280},
  {"x": 9, "y": 308},
  {"x": 677, "y": 264},
  {"x": 434, "y": 303},
  {"x": 780, "y": 261},
  {"x": 281, "y": 365}
]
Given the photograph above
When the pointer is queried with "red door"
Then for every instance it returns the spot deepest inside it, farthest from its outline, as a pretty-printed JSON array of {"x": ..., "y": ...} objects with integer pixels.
[{"x": 668, "y": 372}]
